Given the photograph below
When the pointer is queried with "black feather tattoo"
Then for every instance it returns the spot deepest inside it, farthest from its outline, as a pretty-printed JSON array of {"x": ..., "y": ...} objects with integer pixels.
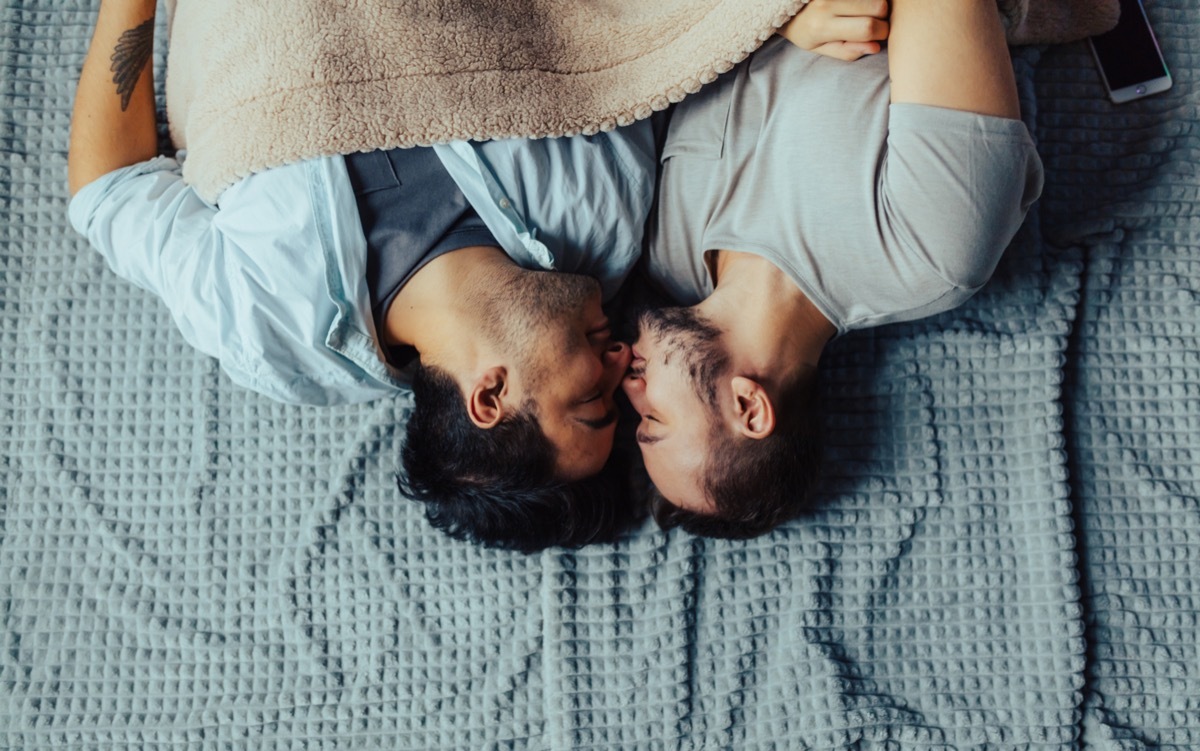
[{"x": 133, "y": 51}]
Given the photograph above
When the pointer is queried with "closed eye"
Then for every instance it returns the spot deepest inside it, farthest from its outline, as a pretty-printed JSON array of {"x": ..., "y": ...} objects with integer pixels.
[
  {"x": 608, "y": 419},
  {"x": 646, "y": 439}
]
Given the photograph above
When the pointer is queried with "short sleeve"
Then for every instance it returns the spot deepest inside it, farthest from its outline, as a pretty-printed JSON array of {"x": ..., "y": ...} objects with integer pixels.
[
  {"x": 156, "y": 232},
  {"x": 955, "y": 187},
  {"x": 137, "y": 216}
]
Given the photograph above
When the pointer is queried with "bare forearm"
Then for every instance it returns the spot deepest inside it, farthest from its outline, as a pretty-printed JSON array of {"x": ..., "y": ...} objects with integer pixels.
[
  {"x": 951, "y": 53},
  {"x": 112, "y": 125}
]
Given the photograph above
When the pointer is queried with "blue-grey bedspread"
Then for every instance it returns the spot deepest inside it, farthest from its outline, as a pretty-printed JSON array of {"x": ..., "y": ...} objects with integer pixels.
[{"x": 1006, "y": 553}]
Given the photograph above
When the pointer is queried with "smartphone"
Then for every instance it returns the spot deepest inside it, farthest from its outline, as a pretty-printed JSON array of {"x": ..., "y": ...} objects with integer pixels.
[{"x": 1129, "y": 57}]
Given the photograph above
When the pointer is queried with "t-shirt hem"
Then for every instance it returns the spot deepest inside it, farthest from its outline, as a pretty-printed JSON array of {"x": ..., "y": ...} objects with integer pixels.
[{"x": 921, "y": 117}]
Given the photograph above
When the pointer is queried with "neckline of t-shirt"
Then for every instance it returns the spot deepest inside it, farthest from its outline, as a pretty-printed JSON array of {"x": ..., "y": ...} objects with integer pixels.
[{"x": 773, "y": 256}]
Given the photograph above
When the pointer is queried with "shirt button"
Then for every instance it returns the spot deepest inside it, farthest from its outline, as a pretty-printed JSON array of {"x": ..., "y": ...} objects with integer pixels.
[{"x": 504, "y": 204}]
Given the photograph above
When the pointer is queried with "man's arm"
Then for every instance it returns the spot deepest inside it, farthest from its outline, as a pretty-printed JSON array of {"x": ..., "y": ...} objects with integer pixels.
[
  {"x": 112, "y": 125},
  {"x": 953, "y": 54}
]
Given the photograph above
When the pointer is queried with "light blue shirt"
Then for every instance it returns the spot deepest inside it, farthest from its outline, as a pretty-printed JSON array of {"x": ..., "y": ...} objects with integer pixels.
[{"x": 272, "y": 280}]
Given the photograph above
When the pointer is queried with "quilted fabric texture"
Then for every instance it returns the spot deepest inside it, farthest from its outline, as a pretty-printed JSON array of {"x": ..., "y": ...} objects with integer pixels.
[
  {"x": 1007, "y": 554},
  {"x": 1126, "y": 188}
]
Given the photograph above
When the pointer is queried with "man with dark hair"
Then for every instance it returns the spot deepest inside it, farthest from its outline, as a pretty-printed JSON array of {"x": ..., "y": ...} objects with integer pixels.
[
  {"x": 802, "y": 197},
  {"x": 734, "y": 476},
  {"x": 499, "y": 487},
  {"x": 524, "y": 461},
  {"x": 330, "y": 280}
]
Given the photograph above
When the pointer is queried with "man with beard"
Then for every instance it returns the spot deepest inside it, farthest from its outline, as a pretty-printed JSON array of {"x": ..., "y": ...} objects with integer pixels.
[
  {"x": 336, "y": 279},
  {"x": 803, "y": 197},
  {"x": 333, "y": 280}
]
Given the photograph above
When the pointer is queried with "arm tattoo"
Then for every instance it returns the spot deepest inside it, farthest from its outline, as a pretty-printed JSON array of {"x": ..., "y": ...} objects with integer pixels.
[{"x": 134, "y": 49}]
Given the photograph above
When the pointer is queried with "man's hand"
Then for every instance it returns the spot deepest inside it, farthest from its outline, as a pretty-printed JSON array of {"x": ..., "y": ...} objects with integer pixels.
[{"x": 845, "y": 29}]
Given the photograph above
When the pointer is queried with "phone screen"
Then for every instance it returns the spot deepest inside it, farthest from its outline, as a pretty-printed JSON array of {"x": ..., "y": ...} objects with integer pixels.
[{"x": 1129, "y": 53}]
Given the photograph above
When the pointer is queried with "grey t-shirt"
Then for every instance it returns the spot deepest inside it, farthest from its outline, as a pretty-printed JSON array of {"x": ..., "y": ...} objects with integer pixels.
[{"x": 878, "y": 212}]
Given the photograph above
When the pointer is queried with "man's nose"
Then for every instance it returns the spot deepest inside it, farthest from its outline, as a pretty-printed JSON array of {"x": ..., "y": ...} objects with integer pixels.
[
  {"x": 618, "y": 355},
  {"x": 635, "y": 390},
  {"x": 616, "y": 358}
]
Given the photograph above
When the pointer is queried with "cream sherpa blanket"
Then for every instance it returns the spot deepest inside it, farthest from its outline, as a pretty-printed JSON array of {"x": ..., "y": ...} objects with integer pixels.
[{"x": 252, "y": 85}]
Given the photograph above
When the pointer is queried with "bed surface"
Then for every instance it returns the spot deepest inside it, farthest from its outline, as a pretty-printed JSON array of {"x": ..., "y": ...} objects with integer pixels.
[{"x": 1007, "y": 553}]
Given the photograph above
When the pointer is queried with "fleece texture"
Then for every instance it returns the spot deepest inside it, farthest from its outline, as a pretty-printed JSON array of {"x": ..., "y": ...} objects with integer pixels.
[
  {"x": 1005, "y": 557},
  {"x": 256, "y": 85}
]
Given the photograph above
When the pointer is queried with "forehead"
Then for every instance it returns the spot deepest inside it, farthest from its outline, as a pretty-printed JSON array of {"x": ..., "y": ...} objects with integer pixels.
[
  {"x": 581, "y": 451},
  {"x": 675, "y": 464},
  {"x": 582, "y": 436}
]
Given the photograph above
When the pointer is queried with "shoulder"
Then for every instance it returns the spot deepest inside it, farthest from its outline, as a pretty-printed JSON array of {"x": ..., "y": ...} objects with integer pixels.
[
  {"x": 276, "y": 185},
  {"x": 962, "y": 184}
]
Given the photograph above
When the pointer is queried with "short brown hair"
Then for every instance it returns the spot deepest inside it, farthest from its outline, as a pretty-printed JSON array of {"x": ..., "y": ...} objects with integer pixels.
[{"x": 754, "y": 484}]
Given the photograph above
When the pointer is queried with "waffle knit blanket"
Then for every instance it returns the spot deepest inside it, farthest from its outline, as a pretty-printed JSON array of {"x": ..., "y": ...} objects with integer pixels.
[
  {"x": 1006, "y": 556},
  {"x": 256, "y": 85}
]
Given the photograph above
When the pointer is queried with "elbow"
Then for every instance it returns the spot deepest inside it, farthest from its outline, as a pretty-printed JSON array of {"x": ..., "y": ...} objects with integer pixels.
[
  {"x": 74, "y": 183},
  {"x": 80, "y": 172}
]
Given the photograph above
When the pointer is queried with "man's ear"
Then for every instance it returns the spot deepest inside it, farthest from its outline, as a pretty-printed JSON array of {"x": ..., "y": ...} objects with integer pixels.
[
  {"x": 485, "y": 400},
  {"x": 752, "y": 407}
]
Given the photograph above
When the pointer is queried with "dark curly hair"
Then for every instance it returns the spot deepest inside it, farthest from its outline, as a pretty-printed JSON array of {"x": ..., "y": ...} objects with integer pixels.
[{"x": 497, "y": 487}]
